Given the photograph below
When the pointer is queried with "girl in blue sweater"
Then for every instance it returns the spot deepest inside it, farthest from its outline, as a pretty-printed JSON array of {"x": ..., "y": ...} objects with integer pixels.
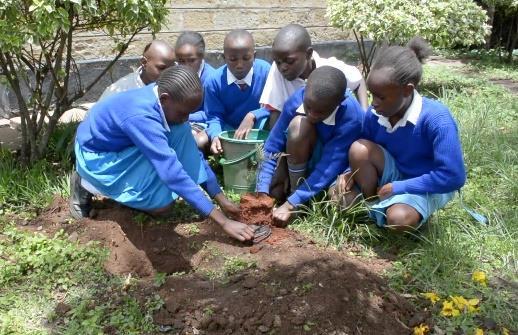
[
  {"x": 410, "y": 155},
  {"x": 136, "y": 148}
]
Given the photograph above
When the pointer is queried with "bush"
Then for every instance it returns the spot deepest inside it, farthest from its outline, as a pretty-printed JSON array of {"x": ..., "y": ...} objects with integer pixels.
[{"x": 444, "y": 23}]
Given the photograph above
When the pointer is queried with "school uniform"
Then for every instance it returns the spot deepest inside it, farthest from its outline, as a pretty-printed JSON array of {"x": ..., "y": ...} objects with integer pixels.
[
  {"x": 277, "y": 89},
  {"x": 228, "y": 100},
  {"x": 205, "y": 71},
  {"x": 423, "y": 157},
  {"x": 127, "y": 151},
  {"x": 128, "y": 82},
  {"x": 335, "y": 135}
]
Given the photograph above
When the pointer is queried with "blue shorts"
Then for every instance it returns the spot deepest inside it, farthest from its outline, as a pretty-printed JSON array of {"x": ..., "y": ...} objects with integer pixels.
[
  {"x": 128, "y": 177},
  {"x": 424, "y": 204}
]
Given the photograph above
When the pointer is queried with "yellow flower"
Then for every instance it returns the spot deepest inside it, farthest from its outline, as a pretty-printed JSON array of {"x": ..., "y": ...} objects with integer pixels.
[
  {"x": 478, "y": 331},
  {"x": 433, "y": 297},
  {"x": 459, "y": 301},
  {"x": 479, "y": 277},
  {"x": 422, "y": 329},
  {"x": 472, "y": 305},
  {"x": 448, "y": 309},
  {"x": 505, "y": 331}
]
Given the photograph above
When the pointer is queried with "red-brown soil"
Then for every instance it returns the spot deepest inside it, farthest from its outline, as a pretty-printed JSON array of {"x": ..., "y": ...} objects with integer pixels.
[
  {"x": 295, "y": 287},
  {"x": 256, "y": 209}
]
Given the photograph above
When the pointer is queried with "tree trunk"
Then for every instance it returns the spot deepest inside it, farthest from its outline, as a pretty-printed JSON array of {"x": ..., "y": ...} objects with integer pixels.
[{"x": 490, "y": 21}]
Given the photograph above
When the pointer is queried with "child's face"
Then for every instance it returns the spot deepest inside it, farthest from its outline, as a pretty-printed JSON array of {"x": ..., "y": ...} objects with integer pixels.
[
  {"x": 388, "y": 98},
  {"x": 239, "y": 56},
  {"x": 291, "y": 63},
  {"x": 154, "y": 62},
  {"x": 316, "y": 109},
  {"x": 188, "y": 55},
  {"x": 177, "y": 112}
]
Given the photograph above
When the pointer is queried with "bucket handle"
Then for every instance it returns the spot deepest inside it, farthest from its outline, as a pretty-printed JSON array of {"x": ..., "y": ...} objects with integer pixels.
[{"x": 249, "y": 154}]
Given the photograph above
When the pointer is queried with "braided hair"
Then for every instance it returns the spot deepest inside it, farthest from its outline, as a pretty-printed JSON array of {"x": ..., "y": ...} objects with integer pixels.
[
  {"x": 191, "y": 38},
  {"x": 327, "y": 83},
  {"x": 180, "y": 82},
  {"x": 405, "y": 62}
]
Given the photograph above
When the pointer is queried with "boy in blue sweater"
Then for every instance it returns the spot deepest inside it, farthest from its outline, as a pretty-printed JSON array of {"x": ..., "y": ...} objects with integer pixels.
[
  {"x": 190, "y": 51},
  {"x": 410, "y": 154},
  {"x": 321, "y": 122},
  {"x": 232, "y": 92},
  {"x": 136, "y": 148}
]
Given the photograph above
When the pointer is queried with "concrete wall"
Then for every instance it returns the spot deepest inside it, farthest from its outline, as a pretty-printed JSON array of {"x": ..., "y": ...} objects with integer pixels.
[{"x": 214, "y": 18}]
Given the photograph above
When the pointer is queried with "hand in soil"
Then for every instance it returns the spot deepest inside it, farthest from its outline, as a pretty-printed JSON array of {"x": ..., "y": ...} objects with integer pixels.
[
  {"x": 282, "y": 215},
  {"x": 229, "y": 208},
  {"x": 244, "y": 128},
  {"x": 238, "y": 230}
]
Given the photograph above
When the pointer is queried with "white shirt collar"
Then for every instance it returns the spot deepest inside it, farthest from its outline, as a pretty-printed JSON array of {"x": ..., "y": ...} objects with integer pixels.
[
  {"x": 231, "y": 79},
  {"x": 164, "y": 120},
  {"x": 330, "y": 120},
  {"x": 138, "y": 78},
  {"x": 411, "y": 115},
  {"x": 202, "y": 65}
]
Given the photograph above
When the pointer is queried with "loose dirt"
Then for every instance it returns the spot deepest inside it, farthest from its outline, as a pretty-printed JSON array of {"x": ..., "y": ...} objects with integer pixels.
[{"x": 288, "y": 284}]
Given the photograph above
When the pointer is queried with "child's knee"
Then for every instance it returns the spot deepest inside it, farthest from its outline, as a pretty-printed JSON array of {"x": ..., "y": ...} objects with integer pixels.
[
  {"x": 360, "y": 150},
  {"x": 402, "y": 217},
  {"x": 301, "y": 130}
]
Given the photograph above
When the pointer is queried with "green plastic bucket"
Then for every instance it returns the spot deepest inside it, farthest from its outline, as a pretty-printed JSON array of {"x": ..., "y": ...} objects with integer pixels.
[{"x": 240, "y": 160}]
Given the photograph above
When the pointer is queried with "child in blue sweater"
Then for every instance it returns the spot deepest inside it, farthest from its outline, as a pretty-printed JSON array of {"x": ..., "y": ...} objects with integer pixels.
[
  {"x": 190, "y": 51},
  {"x": 232, "y": 92},
  {"x": 315, "y": 130},
  {"x": 136, "y": 148},
  {"x": 410, "y": 154}
]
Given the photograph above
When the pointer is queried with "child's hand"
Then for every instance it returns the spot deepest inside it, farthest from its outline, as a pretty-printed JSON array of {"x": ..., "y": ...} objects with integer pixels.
[
  {"x": 385, "y": 191},
  {"x": 231, "y": 209},
  {"x": 281, "y": 215},
  {"x": 344, "y": 183},
  {"x": 238, "y": 230},
  {"x": 244, "y": 128},
  {"x": 215, "y": 146}
]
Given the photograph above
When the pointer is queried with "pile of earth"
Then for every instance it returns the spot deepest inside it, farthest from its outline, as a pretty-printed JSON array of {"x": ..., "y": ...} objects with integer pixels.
[{"x": 288, "y": 284}]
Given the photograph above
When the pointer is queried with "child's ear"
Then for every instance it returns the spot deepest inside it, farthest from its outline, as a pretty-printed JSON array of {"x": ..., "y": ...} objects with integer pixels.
[
  {"x": 309, "y": 53},
  {"x": 143, "y": 61},
  {"x": 164, "y": 97},
  {"x": 408, "y": 89}
]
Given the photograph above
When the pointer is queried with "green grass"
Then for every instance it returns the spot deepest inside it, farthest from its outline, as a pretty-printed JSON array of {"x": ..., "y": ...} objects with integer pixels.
[{"x": 443, "y": 256}]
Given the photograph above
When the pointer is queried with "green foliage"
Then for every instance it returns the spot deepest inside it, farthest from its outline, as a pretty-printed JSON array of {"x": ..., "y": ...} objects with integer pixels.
[
  {"x": 235, "y": 264},
  {"x": 444, "y": 23},
  {"x": 37, "y": 60}
]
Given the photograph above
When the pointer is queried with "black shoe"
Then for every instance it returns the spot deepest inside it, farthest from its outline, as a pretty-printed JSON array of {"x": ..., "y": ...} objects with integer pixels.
[{"x": 80, "y": 202}]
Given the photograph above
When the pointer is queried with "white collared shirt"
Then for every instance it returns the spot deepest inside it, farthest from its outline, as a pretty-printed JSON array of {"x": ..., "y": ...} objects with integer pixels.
[
  {"x": 126, "y": 83},
  {"x": 330, "y": 120},
  {"x": 164, "y": 120},
  {"x": 277, "y": 89},
  {"x": 200, "y": 70},
  {"x": 411, "y": 115},
  {"x": 231, "y": 79}
]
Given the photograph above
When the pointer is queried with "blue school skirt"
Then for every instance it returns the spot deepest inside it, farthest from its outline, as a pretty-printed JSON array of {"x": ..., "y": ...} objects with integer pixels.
[
  {"x": 129, "y": 178},
  {"x": 424, "y": 204}
]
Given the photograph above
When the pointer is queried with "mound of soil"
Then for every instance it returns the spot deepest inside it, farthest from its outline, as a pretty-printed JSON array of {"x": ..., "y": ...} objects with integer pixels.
[
  {"x": 290, "y": 285},
  {"x": 256, "y": 209}
]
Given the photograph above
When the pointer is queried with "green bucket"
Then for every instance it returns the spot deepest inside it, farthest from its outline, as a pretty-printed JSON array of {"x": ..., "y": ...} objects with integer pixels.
[{"x": 240, "y": 160}]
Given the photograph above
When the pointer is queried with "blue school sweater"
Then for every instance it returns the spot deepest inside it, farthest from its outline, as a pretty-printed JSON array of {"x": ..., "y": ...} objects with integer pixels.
[
  {"x": 134, "y": 118},
  {"x": 227, "y": 104},
  {"x": 200, "y": 115},
  {"x": 428, "y": 154},
  {"x": 336, "y": 140}
]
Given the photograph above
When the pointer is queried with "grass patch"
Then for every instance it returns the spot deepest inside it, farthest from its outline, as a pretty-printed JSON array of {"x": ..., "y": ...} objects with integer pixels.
[{"x": 38, "y": 272}]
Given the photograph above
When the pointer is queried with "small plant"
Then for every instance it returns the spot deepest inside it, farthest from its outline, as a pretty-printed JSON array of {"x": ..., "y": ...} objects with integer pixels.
[
  {"x": 193, "y": 229},
  {"x": 160, "y": 279},
  {"x": 235, "y": 264}
]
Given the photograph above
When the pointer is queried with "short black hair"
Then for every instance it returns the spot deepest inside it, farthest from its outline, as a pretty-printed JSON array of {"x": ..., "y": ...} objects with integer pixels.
[
  {"x": 192, "y": 38},
  {"x": 238, "y": 34},
  {"x": 180, "y": 82},
  {"x": 405, "y": 62},
  {"x": 155, "y": 42},
  {"x": 294, "y": 35},
  {"x": 327, "y": 82}
]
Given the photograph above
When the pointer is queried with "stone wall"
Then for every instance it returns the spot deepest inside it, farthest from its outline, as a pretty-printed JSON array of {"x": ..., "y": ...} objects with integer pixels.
[{"x": 214, "y": 18}]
